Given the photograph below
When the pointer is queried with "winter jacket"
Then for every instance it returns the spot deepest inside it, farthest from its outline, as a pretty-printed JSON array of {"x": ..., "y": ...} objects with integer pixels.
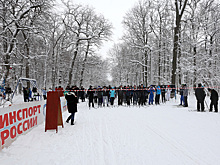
[
  {"x": 112, "y": 93},
  {"x": 100, "y": 94},
  {"x": 71, "y": 102},
  {"x": 105, "y": 92},
  {"x": 181, "y": 91},
  {"x": 158, "y": 92},
  {"x": 200, "y": 94},
  {"x": 151, "y": 91},
  {"x": 214, "y": 95},
  {"x": 185, "y": 91},
  {"x": 90, "y": 93},
  {"x": 120, "y": 93}
]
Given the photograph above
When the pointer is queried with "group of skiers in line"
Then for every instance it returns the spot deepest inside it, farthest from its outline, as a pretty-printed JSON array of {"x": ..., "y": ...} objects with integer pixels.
[{"x": 136, "y": 95}]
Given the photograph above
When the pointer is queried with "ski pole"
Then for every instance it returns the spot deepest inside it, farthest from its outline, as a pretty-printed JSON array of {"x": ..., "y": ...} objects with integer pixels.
[{"x": 207, "y": 105}]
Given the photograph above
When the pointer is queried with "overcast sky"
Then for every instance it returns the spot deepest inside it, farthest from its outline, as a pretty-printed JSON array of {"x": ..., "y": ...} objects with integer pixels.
[{"x": 114, "y": 11}]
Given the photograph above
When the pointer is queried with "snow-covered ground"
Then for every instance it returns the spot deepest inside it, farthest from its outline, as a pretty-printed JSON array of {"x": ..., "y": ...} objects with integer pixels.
[{"x": 150, "y": 135}]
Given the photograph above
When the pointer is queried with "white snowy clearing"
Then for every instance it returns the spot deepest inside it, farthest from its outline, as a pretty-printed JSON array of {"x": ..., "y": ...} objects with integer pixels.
[{"x": 150, "y": 135}]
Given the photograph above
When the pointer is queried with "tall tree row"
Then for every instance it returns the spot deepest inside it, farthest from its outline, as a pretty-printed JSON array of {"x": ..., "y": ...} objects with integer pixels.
[
  {"x": 53, "y": 47},
  {"x": 170, "y": 42}
]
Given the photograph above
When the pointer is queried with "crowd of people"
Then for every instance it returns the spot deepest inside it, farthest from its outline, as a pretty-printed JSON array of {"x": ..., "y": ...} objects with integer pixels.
[
  {"x": 136, "y": 95},
  {"x": 33, "y": 94},
  {"x": 128, "y": 95}
]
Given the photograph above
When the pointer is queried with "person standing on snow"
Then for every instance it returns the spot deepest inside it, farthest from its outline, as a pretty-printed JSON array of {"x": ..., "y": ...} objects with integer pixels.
[
  {"x": 158, "y": 93},
  {"x": 163, "y": 93},
  {"x": 168, "y": 93},
  {"x": 100, "y": 95},
  {"x": 90, "y": 94},
  {"x": 181, "y": 95},
  {"x": 112, "y": 95},
  {"x": 44, "y": 91},
  {"x": 151, "y": 98},
  {"x": 71, "y": 105},
  {"x": 135, "y": 95},
  {"x": 26, "y": 94},
  {"x": 120, "y": 95},
  {"x": 200, "y": 97},
  {"x": 105, "y": 96},
  {"x": 128, "y": 95},
  {"x": 214, "y": 99},
  {"x": 141, "y": 95},
  {"x": 185, "y": 95}
]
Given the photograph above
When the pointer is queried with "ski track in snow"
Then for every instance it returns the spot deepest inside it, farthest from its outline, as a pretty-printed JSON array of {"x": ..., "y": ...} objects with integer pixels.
[{"x": 149, "y": 135}]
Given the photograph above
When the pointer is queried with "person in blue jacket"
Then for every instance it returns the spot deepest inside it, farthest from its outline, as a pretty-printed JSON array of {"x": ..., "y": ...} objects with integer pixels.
[
  {"x": 151, "y": 98},
  {"x": 112, "y": 96},
  {"x": 158, "y": 93}
]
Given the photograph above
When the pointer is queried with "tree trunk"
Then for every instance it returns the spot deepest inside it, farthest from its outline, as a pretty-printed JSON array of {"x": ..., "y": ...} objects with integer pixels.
[
  {"x": 84, "y": 63},
  {"x": 27, "y": 54},
  {"x": 72, "y": 63},
  {"x": 146, "y": 69},
  {"x": 179, "y": 12}
]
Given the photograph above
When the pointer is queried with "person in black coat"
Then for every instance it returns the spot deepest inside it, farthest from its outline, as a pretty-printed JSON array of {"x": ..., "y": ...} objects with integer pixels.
[
  {"x": 26, "y": 94},
  {"x": 141, "y": 96},
  {"x": 214, "y": 99},
  {"x": 71, "y": 105},
  {"x": 90, "y": 94},
  {"x": 120, "y": 95},
  {"x": 163, "y": 93},
  {"x": 200, "y": 96}
]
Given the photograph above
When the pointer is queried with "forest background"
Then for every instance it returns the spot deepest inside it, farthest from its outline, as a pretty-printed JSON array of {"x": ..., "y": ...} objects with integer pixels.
[{"x": 164, "y": 42}]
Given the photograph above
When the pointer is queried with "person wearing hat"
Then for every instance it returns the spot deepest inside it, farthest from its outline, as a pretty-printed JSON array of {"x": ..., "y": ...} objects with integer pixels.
[
  {"x": 71, "y": 105},
  {"x": 214, "y": 99},
  {"x": 200, "y": 97}
]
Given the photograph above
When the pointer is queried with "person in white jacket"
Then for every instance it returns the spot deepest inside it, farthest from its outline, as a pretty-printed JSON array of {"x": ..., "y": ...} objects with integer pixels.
[{"x": 168, "y": 93}]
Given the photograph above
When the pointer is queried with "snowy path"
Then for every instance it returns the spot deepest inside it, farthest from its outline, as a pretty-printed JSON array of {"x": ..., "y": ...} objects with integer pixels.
[{"x": 153, "y": 135}]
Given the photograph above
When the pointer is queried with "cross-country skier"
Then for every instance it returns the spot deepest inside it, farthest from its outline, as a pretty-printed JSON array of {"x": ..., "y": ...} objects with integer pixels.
[
  {"x": 112, "y": 95},
  {"x": 141, "y": 94},
  {"x": 120, "y": 95},
  {"x": 163, "y": 93},
  {"x": 105, "y": 96},
  {"x": 158, "y": 93},
  {"x": 128, "y": 95},
  {"x": 135, "y": 95},
  {"x": 151, "y": 98},
  {"x": 168, "y": 93},
  {"x": 100, "y": 95}
]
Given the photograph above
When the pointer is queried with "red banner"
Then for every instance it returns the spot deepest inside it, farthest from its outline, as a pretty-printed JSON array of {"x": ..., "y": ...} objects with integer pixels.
[{"x": 53, "y": 111}]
